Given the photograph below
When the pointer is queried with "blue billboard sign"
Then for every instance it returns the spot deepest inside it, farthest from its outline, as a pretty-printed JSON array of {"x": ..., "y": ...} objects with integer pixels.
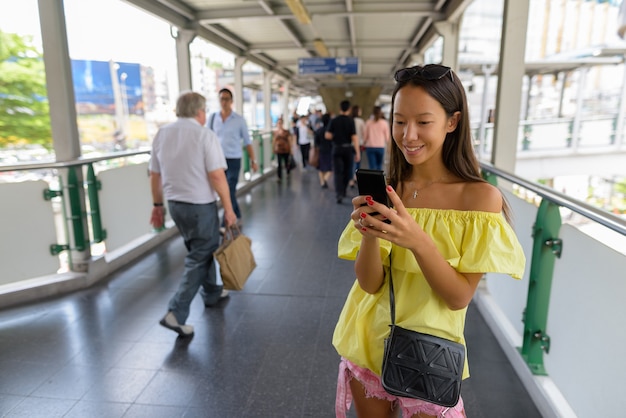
[
  {"x": 328, "y": 65},
  {"x": 93, "y": 86}
]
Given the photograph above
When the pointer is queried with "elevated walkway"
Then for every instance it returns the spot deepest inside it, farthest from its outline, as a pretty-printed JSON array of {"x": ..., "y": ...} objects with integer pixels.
[{"x": 264, "y": 352}]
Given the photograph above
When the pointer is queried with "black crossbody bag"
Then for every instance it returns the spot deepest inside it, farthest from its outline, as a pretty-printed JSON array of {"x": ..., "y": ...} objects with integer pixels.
[{"x": 421, "y": 366}]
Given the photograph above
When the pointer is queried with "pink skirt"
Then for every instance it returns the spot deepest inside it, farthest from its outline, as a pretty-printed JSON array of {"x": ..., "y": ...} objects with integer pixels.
[{"x": 374, "y": 389}]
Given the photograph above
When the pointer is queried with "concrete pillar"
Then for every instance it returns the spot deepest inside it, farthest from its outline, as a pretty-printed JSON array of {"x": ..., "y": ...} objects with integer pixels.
[
  {"x": 66, "y": 140},
  {"x": 582, "y": 80},
  {"x": 286, "y": 114},
  {"x": 564, "y": 75},
  {"x": 484, "y": 109},
  {"x": 621, "y": 113},
  {"x": 511, "y": 69},
  {"x": 418, "y": 59},
  {"x": 238, "y": 93},
  {"x": 59, "y": 80},
  {"x": 267, "y": 99},
  {"x": 450, "y": 33},
  {"x": 183, "y": 61},
  {"x": 253, "y": 104},
  {"x": 529, "y": 85}
]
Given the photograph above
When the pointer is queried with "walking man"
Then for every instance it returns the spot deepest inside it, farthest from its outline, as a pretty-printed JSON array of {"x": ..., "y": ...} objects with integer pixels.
[
  {"x": 187, "y": 169},
  {"x": 232, "y": 131},
  {"x": 346, "y": 149}
]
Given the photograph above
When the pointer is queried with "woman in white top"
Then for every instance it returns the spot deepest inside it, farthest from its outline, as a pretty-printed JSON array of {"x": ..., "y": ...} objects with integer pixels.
[
  {"x": 359, "y": 125},
  {"x": 305, "y": 134}
]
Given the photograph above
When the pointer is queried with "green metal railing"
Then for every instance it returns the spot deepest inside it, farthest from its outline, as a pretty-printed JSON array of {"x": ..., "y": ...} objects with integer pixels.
[
  {"x": 80, "y": 198},
  {"x": 547, "y": 247},
  {"x": 530, "y": 140}
]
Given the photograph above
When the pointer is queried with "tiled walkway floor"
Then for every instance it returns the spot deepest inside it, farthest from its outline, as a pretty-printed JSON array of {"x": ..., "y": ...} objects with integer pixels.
[{"x": 264, "y": 352}]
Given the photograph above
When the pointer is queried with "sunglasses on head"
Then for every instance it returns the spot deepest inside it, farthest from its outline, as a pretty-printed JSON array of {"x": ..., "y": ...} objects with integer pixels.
[{"x": 428, "y": 72}]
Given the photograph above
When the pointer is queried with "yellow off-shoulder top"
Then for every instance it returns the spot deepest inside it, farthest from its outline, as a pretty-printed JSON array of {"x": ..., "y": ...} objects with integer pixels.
[{"x": 471, "y": 242}]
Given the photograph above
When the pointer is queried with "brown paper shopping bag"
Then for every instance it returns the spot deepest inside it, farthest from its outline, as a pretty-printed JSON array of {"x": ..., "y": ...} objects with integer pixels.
[{"x": 235, "y": 259}]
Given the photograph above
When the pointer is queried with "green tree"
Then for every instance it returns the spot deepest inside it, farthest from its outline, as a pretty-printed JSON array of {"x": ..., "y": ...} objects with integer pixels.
[{"x": 24, "y": 108}]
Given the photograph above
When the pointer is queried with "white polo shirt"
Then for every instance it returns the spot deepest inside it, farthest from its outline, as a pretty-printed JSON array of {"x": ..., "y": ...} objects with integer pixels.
[{"x": 183, "y": 152}]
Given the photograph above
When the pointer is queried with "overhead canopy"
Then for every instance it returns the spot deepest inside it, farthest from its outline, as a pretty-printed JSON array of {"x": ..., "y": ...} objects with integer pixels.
[
  {"x": 383, "y": 35},
  {"x": 274, "y": 34}
]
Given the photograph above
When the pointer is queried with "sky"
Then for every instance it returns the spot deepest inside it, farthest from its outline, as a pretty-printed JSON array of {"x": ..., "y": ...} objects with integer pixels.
[{"x": 102, "y": 30}]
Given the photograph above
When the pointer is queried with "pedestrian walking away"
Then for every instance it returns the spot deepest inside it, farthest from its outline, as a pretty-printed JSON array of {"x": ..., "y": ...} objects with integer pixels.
[
  {"x": 346, "y": 150},
  {"x": 187, "y": 170}
]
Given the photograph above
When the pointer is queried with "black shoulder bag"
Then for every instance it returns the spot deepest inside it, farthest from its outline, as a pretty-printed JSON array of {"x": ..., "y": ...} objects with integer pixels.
[{"x": 421, "y": 366}]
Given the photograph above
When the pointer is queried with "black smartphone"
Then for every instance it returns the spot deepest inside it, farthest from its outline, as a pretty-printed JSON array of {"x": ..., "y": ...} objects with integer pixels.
[{"x": 373, "y": 183}]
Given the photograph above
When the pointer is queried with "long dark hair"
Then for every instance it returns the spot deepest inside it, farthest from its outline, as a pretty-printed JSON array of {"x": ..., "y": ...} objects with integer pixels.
[
  {"x": 458, "y": 151},
  {"x": 377, "y": 112}
]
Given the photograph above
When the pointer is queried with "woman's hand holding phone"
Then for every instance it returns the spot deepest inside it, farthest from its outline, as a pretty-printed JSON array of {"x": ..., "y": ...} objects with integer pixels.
[{"x": 372, "y": 192}]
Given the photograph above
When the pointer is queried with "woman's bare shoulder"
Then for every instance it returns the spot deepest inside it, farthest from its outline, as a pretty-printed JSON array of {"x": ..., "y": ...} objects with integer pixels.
[{"x": 482, "y": 196}]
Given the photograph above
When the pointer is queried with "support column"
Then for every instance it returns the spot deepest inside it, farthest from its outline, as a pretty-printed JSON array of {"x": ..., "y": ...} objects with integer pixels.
[
  {"x": 487, "y": 71},
  {"x": 66, "y": 140},
  {"x": 450, "y": 33},
  {"x": 238, "y": 93},
  {"x": 529, "y": 85},
  {"x": 121, "y": 116},
  {"x": 285, "y": 105},
  {"x": 59, "y": 80},
  {"x": 267, "y": 99},
  {"x": 621, "y": 113},
  {"x": 253, "y": 105},
  {"x": 582, "y": 80},
  {"x": 511, "y": 71},
  {"x": 564, "y": 75},
  {"x": 183, "y": 61}
]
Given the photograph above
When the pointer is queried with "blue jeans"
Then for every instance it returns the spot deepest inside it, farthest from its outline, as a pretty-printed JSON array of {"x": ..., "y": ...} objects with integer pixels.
[
  {"x": 375, "y": 157},
  {"x": 232, "y": 176},
  {"x": 199, "y": 227}
]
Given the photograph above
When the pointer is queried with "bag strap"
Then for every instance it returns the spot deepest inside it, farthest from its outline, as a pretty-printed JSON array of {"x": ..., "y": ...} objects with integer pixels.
[
  {"x": 232, "y": 232},
  {"x": 211, "y": 121},
  {"x": 392, "y": 301}
]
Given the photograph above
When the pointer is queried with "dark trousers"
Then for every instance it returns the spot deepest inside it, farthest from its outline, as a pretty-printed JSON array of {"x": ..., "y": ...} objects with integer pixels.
[
  {"x": 232, "y": 176},
  {"x": 343, "y": 165},
  {"x": 283, "y": 161},
  {"x": 304, "y": 150}
]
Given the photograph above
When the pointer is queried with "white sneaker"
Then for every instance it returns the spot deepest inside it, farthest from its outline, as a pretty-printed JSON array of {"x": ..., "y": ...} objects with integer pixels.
[
  {"x": 225, "y": 294},
  {"x": 169, "y": 321}
]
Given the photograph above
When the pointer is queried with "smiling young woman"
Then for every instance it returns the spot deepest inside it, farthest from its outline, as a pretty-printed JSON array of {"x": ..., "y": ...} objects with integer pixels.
[{"x": 445, "y": 229}]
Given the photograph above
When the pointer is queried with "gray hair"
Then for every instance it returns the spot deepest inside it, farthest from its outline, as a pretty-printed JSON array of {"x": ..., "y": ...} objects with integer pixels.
[{"x": 189, "y": 103}]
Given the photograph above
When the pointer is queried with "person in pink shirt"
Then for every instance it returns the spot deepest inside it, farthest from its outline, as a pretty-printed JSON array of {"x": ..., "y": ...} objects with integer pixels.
[{"x": 375, "y": 138}]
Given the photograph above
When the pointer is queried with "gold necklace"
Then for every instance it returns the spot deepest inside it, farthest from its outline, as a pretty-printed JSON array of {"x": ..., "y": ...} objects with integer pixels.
[{"x": 417, "y": 191}]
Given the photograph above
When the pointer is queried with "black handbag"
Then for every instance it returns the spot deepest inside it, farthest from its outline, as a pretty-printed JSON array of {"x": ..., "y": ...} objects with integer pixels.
[
  {"x": 291, "y": 162},
  {"x": 421, "y": 366}
]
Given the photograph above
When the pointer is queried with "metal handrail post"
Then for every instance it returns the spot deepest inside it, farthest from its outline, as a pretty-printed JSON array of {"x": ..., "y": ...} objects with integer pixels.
[
  {"x": 93, "y": 186},
  {"x": 261, "y": 153},
  {"x": 546, "y": 248},
  {"x": 80, "y": 253}
]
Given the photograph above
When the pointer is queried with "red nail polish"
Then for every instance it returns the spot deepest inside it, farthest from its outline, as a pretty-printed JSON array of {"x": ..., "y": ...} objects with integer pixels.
[
  {"x": 363, "y": 215},
  {"x": 370, "y": 202},
  {"x": 364, "y": 229},
  {"x": 389, "y": 189}
]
